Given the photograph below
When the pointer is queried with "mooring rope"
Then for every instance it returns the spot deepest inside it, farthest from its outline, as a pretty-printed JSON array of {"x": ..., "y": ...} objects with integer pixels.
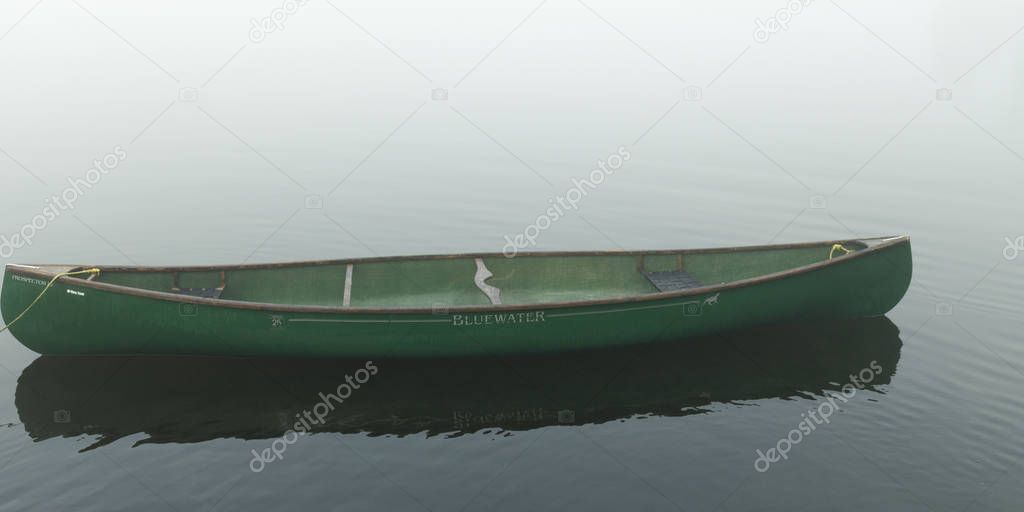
[
  {"x": 50, "y": 284},
  {"x": 838, "y": 247}
]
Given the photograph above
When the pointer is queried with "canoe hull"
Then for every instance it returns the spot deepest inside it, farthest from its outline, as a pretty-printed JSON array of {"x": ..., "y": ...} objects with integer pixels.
[{"x": 73, "y": 319}]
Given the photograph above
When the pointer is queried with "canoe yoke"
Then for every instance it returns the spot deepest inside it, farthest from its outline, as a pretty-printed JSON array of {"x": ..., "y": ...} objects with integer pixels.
[
  {"x": 207, "y": 293},
  {"x": 493, "y": 293}
]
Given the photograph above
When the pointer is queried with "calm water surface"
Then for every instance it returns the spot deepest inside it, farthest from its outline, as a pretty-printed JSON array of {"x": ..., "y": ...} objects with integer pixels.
[{"x": 321, "y": 138}]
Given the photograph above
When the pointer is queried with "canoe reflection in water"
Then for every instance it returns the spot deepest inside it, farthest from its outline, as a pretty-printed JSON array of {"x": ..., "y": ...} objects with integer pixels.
[{"x": 194, "y": 399}]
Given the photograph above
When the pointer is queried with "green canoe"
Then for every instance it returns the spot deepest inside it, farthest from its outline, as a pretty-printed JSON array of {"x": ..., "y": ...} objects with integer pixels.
[{"x": 452, "y": 305}]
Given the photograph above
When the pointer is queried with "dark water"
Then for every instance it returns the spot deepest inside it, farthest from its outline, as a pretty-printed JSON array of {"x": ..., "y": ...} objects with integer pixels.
[{"x": 322, "y": 140}]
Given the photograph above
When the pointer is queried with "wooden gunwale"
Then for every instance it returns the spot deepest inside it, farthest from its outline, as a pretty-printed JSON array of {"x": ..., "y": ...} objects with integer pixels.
[{"x": 882, "y": 243}]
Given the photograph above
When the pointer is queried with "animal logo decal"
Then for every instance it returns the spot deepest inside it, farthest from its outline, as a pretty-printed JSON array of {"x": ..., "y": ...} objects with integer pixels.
[{"x": 712, "y": 300}]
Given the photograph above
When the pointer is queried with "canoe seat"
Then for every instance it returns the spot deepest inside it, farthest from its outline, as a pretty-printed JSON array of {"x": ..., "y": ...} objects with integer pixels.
[
  {"x": 672, "y": 280},
  {"x": 206, "y": 293}
]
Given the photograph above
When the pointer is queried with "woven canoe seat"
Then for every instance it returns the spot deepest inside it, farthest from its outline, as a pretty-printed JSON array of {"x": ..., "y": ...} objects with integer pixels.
[{"x": 672, "y": 280}]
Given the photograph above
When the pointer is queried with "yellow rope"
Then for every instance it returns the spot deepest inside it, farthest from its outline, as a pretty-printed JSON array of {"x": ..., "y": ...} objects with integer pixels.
[
  {"x": 838, "y": 247},
  {"x": 54, "y": 280}
]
